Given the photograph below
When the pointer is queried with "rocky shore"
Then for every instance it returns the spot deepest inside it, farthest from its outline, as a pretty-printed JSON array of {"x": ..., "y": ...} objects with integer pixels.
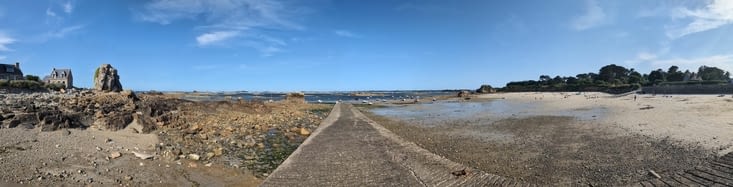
[{"x": 244, "y": 137}]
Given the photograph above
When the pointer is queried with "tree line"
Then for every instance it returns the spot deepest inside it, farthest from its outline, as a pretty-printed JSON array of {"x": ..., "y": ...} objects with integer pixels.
[{"x": 617, "y": 79}]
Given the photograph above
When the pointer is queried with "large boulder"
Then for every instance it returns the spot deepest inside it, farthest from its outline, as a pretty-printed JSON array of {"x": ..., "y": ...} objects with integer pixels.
[
  {"x": 107, "y": 79},
  {"x": 464, "y": 93},
  {"x": 295, "y": 97}
]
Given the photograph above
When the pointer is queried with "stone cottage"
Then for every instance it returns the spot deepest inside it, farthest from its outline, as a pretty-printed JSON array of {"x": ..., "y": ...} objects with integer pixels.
[
  {"x": 11, "y": 72},
  {"x": 61, "y": 77}
]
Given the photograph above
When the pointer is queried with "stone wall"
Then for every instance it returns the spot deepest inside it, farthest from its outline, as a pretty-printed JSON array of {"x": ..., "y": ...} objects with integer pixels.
[{"x": 689, "y": 89}]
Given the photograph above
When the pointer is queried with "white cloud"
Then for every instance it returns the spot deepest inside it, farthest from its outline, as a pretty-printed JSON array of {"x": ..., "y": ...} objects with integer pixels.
[
  {"x": 644, "y": 56},
  {"x": 716, "y": 14},
  {"x": 50, "y": 13},
  {"x": 5, "y": 40},
  {"x": 593, "y": 17},
  {"x": 214, "y": 37},
  {"x": 345, "y": 33},
  {"x": 222, "y": 20},
  {"x": 63, "y": 32},
  {"x": 68, "y": 7},
  {"x": 724, "y": 62}
]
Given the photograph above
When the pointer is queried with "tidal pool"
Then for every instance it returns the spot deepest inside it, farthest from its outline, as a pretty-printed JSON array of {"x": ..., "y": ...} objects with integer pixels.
[{"x": 491, "y": 110}]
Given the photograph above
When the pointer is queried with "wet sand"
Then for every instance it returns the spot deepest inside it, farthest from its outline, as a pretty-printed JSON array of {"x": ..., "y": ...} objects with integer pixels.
[{"x": 542, "y": 145}]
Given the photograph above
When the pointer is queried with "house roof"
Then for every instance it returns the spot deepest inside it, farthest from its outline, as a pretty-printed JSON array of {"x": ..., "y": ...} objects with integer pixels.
[
  {"x": 61, "y": 72},
  {"x": 10, "y": 68}
]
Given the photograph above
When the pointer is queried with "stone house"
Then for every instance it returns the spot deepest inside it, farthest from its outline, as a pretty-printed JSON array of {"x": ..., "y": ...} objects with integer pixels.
[
  {"x": 60, "y": 76},
  {"x": 11, "y": 72}
]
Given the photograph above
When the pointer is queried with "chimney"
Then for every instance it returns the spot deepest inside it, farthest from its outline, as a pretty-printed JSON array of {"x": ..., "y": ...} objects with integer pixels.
[{"x": 17, "y": 65}]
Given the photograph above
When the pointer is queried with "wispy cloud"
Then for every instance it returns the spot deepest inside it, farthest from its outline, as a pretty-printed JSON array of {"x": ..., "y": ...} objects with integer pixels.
[
  {"x": 724, "y": 62},
  {"x": 716, "y": 14},
  {"x": 214, "y": 37},
  {"x": 345, "y": 33},
  {"x": 206, "y": 67},
  {"x": 594, "y": 16},
  {"x": 224, "y": 20},
  {"x": 424, "y": 7},
  {"x": 5, "y": 40},
  {"x": 50, "y": 13},
  {"x": 68, "y": 7},
  {"x": 63, "y": 32}
]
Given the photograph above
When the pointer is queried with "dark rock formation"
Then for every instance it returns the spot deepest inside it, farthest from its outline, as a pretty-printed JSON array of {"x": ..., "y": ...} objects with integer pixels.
[
  {"x": 295, "y": 97},
  {"x": 464, "y": 93},
  {"x": 107, "y": 79},
  {"x": 486, "y": 89}
]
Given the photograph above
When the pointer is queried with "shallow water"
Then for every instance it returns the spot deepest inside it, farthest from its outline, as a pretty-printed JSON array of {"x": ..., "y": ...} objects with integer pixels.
[
  {"x": 323, "y": 97},
  {"x": 428, "y": 113}
]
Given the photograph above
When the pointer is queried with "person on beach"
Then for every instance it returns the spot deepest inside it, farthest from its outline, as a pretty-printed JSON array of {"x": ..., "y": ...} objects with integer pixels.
[{"x": 634, "y": 97}]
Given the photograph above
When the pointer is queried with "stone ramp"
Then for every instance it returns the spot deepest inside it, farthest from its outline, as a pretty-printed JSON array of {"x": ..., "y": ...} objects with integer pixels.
[
  {"x": 349, "y": 149},
  {"x": 717, "y": 173}
]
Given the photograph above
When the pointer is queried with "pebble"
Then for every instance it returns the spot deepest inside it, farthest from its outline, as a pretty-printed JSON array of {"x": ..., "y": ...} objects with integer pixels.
[
  {"x": 65, "y": 132},
  {"x": 194, "y": 157},
  {"x": 115, "y": 154}
]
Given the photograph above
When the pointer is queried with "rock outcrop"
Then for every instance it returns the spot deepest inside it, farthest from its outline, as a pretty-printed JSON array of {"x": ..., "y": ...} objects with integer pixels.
[
  {"x": 464, "y": 93},
  {"x": 486, "y": 89},
  {"x": 107, "y": 79},
  {"x": 295, "y": 97}
]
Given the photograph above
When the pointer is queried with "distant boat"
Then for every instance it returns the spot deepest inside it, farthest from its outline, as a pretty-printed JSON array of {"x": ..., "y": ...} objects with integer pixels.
[{"x": 319, "y": 101}]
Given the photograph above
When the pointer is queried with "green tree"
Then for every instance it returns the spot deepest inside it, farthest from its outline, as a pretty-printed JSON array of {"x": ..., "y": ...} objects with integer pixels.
[
  {"x": 656, "y": 76},
  {"x": 635, "y": 77},
  {"x": 674, "y": 75},
  {"x": 609, "y": 73},
  {"x": 712, "y": 73},
  {"x": 544, "y": 78},
  {"x": 32, "y": 78}
]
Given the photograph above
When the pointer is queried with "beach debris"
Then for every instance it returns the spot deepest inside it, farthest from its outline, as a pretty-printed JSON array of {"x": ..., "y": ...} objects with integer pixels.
[
  {"x": 647, "y": 107},
  {"x": 304, "y": 132},
  {"x": 459, "y": 173},
  {"x": 115, "y": 154},
  {"x": 65, "y": 132},
  {"x": 654, "y": 174},
  {"x": 194, "y": 157},
  {"x": 142, "y": 155}
]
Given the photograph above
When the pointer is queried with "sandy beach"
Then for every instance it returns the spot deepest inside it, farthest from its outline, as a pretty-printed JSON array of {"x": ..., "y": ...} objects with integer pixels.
[
  {"x": 703, "y": 119},
  {"x": 569, "y": 138}
]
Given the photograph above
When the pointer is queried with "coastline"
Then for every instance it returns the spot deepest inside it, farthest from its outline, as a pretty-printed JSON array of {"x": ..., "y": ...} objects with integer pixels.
[{"x": 557, "y": 150}]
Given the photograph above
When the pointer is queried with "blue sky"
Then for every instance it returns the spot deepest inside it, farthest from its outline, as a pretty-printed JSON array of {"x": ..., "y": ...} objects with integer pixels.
[{"x": 322, "y": 45}]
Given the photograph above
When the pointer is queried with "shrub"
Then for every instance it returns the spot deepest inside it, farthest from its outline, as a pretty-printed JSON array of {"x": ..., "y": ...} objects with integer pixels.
[{"x": 26, "y": 84}]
